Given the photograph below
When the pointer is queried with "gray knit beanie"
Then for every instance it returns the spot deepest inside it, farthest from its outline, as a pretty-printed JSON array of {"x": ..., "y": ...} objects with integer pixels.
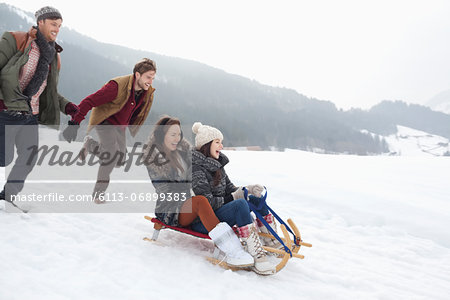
[
  {"x": 47, "y": 12},
  {"x": 205, "y": 134}
]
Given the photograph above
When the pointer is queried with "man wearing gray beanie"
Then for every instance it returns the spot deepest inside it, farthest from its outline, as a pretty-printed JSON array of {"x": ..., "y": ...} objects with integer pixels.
[
  {"x": 47, "y": 12},
  {"x": 29, "y": 66}
]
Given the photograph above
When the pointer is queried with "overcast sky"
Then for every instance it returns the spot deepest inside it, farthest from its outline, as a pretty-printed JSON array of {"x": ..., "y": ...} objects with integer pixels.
[{"x": 354, "y": 53}]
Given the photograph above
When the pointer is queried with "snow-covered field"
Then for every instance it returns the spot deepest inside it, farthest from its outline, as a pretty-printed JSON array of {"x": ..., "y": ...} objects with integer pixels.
[{"x": 378, "y": 225}]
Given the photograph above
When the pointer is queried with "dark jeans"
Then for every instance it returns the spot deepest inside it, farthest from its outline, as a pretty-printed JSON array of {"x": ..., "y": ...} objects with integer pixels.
[
  {"x": 235, "y": 212},
  {"x": 19, "y": 130}
]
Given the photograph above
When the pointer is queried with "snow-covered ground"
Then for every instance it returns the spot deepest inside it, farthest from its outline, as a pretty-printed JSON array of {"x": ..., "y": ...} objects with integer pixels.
[{"x": 378, "y": 225}]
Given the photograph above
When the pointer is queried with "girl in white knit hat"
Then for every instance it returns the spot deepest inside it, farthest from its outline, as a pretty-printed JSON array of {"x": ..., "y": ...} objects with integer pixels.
[{"x": 210, "y": 180}]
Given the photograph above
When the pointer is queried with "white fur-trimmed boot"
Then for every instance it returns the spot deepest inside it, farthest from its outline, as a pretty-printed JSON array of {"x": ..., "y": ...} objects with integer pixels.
[
  {"x": 252, "y": 244},
  {"x": 262, "y": 228},
  {"x": 227, "y": 241}
]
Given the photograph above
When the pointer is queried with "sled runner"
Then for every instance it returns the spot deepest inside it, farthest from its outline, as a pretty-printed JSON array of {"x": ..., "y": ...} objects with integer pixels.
[
  {"x": 158, "y": 225},
  {"x": 289, "y": 246}
]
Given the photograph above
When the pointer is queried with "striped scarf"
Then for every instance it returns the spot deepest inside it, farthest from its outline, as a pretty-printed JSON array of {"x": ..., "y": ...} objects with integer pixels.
[{"x": 47, "y": 54}]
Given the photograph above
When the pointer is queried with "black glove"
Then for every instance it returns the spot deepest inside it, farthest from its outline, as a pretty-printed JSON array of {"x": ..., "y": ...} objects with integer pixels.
[{"x": 70, "y": 133}]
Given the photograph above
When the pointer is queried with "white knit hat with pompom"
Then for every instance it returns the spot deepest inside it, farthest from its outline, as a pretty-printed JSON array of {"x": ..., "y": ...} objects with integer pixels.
[{"x": 205, "y": 134}]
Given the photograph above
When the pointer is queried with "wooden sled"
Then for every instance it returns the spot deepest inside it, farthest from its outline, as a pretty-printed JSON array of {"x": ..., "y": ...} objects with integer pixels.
[{"x": 293, "y": 246}]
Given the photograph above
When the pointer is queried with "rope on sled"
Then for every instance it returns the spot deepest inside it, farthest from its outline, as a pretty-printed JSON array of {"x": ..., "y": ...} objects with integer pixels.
[{"x": 261, "y": 204}]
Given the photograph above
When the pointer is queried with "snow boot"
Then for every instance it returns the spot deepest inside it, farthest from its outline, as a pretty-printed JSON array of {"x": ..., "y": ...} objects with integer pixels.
[
  {"x": 6, "y": 198},
  {"x": 266, "y": 241},
  {"x": 2, "y": 203},
  {"x": 252, "y": 244},
  {"x": 98, "y": 197},
  {"x": 227, "y": 241}
]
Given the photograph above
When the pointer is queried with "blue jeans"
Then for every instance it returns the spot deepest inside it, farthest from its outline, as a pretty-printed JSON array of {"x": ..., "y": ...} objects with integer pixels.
[
  {"x": 235, "y": 212},
  {"x": 21, "y": 131}
]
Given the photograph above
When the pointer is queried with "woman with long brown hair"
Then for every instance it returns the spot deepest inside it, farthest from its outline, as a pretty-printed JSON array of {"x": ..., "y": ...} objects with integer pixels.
[{"x": 168, "y": 160}]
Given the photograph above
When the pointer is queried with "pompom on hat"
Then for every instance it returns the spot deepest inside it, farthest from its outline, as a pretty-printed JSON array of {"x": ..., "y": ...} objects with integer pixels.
[
  {"x": 205, "y": 134},
  {"x": 47, "y": 12}
]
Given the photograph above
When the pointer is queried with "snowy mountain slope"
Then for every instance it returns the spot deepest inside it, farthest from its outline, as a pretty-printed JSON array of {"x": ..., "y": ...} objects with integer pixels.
[
  {"x": 443, "y": 107},
  {"x": 440, "y": 102},
  {"x": 408, "y": 141},
  {"x": 378, "y": 226}
]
